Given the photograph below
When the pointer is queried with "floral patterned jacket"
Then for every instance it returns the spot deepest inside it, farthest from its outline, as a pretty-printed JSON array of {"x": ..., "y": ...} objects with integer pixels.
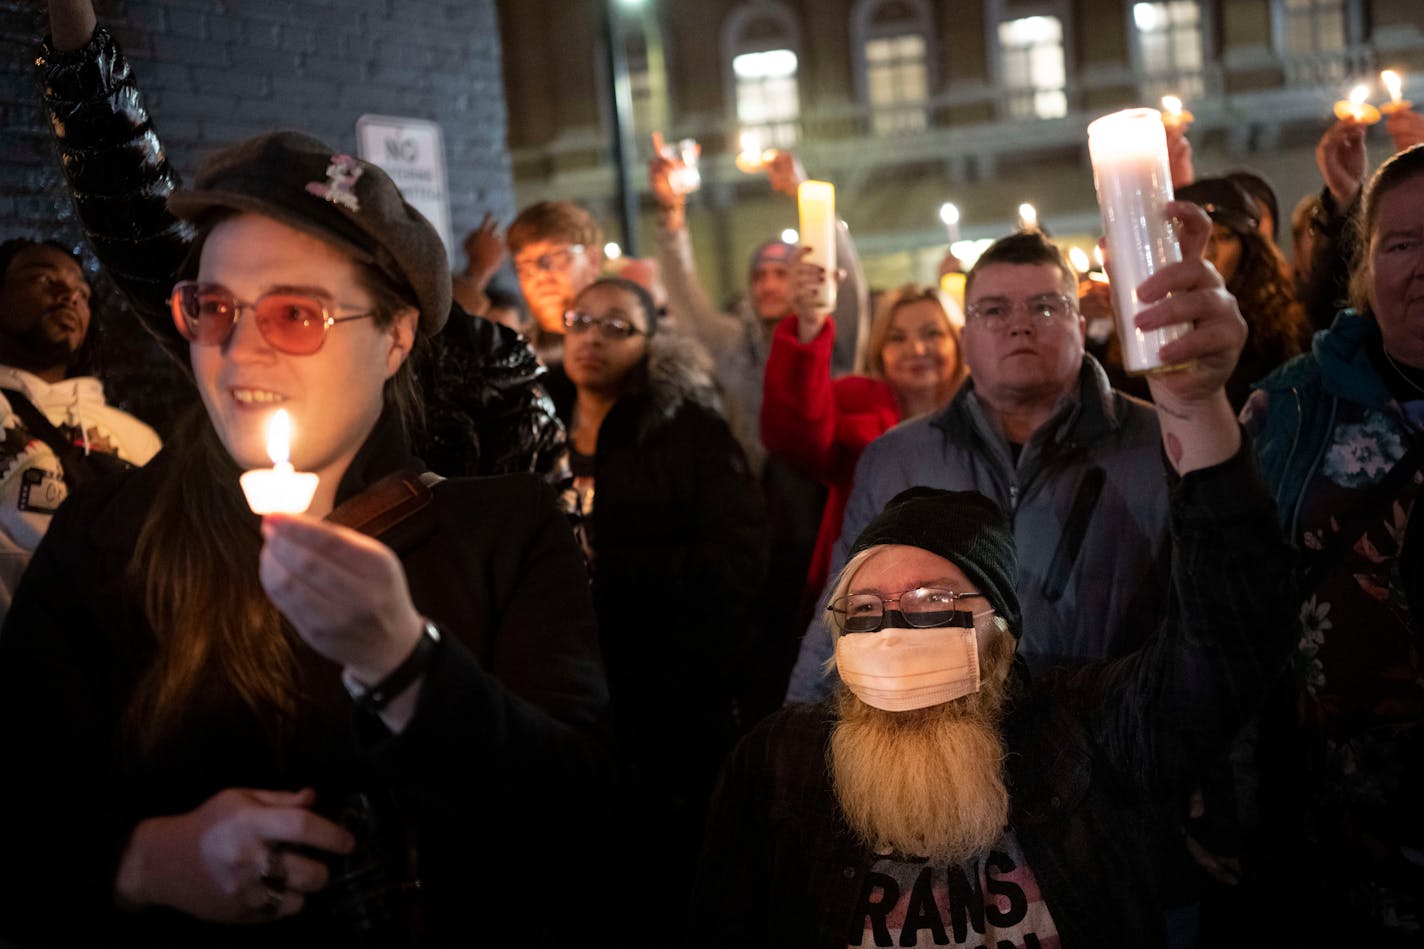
[{"x": 1326, "y": 431}]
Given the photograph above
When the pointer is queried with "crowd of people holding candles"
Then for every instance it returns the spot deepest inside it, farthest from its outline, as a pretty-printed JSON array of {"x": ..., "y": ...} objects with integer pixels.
[{"x": 1047, "y": 604}]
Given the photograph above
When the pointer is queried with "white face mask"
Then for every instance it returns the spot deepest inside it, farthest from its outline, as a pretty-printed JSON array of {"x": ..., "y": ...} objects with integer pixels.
[{"x": 899, "y": 670}]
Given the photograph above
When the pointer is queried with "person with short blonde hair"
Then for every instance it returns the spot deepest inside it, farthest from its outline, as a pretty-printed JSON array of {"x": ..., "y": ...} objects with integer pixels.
[{"x": 820, "y": 424}]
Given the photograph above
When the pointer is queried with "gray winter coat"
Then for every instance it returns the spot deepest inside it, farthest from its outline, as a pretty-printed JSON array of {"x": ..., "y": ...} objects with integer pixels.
[{"x": 1088, "y": 506}]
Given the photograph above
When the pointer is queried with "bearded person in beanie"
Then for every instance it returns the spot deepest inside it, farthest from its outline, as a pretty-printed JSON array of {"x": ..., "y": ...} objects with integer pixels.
[{"x": 945, "y": 796}]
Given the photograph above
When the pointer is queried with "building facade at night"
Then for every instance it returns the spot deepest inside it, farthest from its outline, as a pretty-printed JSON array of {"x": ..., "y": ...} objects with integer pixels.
[{"x": 907, "y": 104}]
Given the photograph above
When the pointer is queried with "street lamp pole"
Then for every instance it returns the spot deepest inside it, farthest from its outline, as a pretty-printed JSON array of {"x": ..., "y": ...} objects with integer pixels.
[{"x": 621, "y": 97}]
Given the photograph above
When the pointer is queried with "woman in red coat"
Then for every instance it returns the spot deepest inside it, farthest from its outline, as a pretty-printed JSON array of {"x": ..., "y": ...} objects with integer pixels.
[{"x": 821, "y": 425}]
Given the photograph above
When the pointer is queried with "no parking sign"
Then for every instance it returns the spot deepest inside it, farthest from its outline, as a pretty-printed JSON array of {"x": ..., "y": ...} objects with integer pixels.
[{"x": 412, "y": 152}]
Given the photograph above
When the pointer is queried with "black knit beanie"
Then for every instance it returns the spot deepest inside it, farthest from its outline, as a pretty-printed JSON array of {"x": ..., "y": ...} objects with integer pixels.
[{"x": 963, "y": 527}]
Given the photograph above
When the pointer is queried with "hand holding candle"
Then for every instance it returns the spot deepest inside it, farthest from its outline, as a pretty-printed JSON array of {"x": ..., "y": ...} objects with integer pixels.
[
  {"x": 752, "y": 158},
  {"x": 816, "y": 200},
  {"x": 1356, "y": 108},
  {"x": 279, "y": 489},
  {"x": 1134, "y": 184},
  {"x": 1173, "y": 115},
  {"x": 683, "y": 176}
]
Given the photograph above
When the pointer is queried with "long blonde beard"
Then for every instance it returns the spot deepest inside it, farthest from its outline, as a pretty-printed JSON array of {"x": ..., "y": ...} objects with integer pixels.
[{"x": 929, "y": 782}]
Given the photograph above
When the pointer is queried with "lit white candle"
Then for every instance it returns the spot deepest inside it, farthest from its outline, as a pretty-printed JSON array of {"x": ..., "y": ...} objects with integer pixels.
[
  {"x": 1079, "y": 260},
  {"x": 1355, "y": 107},
  {"x": 1173, "y": 115},
  {"x": 1028, "y": 217},
  {"x": 949, "y": 214},
  {"x": 279, "y": 489},
  {"x": 816, "y": 201},
  {"x": 1134, "y": 184},
  {"x": 1394, "y": 83}
]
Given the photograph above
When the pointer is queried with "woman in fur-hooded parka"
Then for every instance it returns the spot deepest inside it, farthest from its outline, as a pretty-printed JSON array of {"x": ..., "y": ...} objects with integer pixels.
[{"x": 675, "y": 537}]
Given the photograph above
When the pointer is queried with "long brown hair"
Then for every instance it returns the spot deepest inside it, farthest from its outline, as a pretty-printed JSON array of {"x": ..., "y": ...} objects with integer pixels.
[
  {"x": 1263, "y": 286},
  {"x": 196, "y": 558}
]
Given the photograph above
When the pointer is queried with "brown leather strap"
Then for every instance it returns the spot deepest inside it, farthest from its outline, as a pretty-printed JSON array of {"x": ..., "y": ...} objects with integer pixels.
[{"x": 384, "y": 504}]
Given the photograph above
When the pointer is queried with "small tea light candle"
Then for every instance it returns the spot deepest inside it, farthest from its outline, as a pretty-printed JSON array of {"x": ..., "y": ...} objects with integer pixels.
[
  {"x": 684, "y": 177},
  {"x": 1357, "y": 108},
  {"x": 279, "y": 489},
  {"x": 752, "y": 158},
  {"x": 1173, "y": 115},
  {"x": 1394, "y": 83}
]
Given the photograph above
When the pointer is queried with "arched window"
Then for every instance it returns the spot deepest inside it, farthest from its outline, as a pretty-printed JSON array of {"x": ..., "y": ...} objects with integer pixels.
[
  {"x": 893, "y": 40},
  {"x": 1032, "y": 67},
  {"x": 1313, "y": 37},
  {"x": 1169, "y": 48},
  {"x": 761, "y": 49}
]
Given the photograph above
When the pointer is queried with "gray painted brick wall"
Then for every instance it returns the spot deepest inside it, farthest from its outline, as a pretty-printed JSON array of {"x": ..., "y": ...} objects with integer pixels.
[
  {"x": 216, "y": 71},
  {"x": 219, "y": 70}
]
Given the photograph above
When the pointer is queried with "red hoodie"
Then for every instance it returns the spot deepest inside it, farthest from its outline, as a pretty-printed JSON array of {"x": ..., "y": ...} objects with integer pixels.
[{"x": 820, "y": 424}]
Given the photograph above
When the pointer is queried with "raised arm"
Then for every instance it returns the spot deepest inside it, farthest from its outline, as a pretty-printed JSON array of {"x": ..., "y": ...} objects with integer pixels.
[
  {"x": 1198, "y": 426},
  {"x": 687, "y": 298},
  {"x": 117, "y": 169},
  {"x": 852, "y": 312},
  {"x": 1341, "y": 157},
  {"x": 798, "y": 407},
  {"x": 1162, "y": 712}
]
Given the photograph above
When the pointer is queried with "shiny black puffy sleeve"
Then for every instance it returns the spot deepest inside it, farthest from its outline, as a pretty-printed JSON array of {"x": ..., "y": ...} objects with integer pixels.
[{"x": 118, "y": 173}]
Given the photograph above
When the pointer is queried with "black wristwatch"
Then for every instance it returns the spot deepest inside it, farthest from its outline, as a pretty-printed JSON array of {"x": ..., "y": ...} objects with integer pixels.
[{"x": 376, "y": 697}]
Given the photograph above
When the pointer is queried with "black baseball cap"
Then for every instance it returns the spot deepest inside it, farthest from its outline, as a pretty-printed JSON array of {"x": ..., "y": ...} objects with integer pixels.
[{"x": 347, "y": 202}]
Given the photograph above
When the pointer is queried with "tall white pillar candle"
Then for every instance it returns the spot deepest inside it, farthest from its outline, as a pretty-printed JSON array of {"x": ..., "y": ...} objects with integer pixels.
[
  {"x": 1134, "y": 182},
  {"x": 816, "y": 201}
]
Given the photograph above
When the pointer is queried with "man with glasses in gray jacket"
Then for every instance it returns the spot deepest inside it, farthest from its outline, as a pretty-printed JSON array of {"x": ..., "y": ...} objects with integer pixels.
[{"x": 1038, "y": 429}]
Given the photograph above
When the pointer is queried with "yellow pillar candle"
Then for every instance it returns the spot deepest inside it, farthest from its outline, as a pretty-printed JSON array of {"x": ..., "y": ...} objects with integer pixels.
[{"x": 816, "y": 200}]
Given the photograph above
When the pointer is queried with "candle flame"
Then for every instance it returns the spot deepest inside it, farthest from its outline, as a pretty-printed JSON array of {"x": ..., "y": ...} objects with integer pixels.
[
  {"x": 1172, "y": 104},
  {"x": 1028, "y": 216},
  {"x": 751, "y": 145},
  {"x": 1079, "y": 259},
  {"x": 279, "y": 437},
  {"x": 1393, "y": 83},
  {"x": 1358, "y": 95},
  {"x": 1098, "y": 254},
  {"x": 948, "y": 213}
]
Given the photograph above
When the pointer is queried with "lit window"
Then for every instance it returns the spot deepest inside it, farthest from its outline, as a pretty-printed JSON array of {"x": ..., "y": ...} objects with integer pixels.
[
  {"x": 1169, "y": 40},
  {"x": 896, "y": 75},
  {"x": 1313, "y": 37},
  {"x": 1314, "y": 26},
  {"x": 767, "y": 99},
  {"x": 1033, "y": 67}
]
